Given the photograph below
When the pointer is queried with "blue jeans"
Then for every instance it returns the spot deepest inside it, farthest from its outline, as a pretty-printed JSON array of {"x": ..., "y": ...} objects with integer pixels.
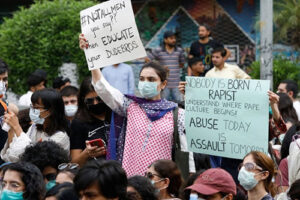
[{"x": 172, "y": 94}]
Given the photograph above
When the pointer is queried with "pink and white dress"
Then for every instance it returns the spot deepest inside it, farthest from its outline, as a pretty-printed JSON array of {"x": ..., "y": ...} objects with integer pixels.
[{"x": 146, "y": 141}]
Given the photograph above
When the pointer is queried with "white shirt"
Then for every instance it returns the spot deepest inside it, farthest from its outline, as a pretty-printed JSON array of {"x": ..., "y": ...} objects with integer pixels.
[
  {"x": 296, "y": 105},
  {"x": 18, "y": 145},
  {"x": 25, "y": 99}
]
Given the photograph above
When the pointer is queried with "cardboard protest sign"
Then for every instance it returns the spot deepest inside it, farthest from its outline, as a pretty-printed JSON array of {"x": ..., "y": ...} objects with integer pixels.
[
  {"x": 226, "y": 117},
  {"x": 112, "y": 34}
]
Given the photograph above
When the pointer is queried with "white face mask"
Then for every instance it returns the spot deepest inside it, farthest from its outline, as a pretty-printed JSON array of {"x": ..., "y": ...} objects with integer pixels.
[
  {"x": 70, "y": 110},
  {"x": 2, "y": 89}
]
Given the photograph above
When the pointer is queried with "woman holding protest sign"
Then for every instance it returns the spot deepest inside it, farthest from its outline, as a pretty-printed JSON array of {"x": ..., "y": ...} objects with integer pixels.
[{"x": 150, "y": 122}]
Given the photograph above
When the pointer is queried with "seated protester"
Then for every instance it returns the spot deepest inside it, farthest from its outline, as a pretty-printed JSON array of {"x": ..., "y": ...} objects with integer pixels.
[
  {"x": 185, "y": 194},
  {"x": 91, "y": 122},
  {"x": 64, "y": 191},
  {"x": 36, "y": 81},
  {"x": 142, "y": 187},
  {"x": 60, "y": 82},
  {"x": 166, "y": 178},
  {"x": 101, "y": 180},
  {"x": 69, "y": 95},
  {"x": 196, "y": 65},
  {"x": 67, "y": 172},
  {"x": 46, "y": 156},
  {"x": 22, "y": 181},
  {"x": 49, "y": 123},
  {"x": 256, "y": 174},
  {"x": 214, "y": 183}
]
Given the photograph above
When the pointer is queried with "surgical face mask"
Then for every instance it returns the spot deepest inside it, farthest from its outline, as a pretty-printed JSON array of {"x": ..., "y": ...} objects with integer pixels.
[
  {"x": 70, "y": 110},
  {"x": 34, "y": 115},
  {"x": 2, "y": 89},
  {"x": 194, "y": 197},
  {"x": 148, "y": 89},
  {"x": 97, "y": 109},
  {"x": 50, "y": 185},
  {"x": 247, "y": 179},
  {"x": 281, "y": 137},
  {"x": 10, "y": 195}
]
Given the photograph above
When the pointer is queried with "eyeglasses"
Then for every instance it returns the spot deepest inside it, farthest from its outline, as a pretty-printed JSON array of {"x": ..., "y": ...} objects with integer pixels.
[
  {"x": 90, "y": 101},
  {"x": 50, "y": 176},
  {"x": 250, "y": 166},
  {"x": 150, "y": 175},
  {"x": 71, "y": 166}
]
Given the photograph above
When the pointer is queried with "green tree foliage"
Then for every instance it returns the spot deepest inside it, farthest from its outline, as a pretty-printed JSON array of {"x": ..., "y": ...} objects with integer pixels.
[
  {"x": 283, "y": 69},
  {"x": 287, "y": 21},
  {"x": 42, "y": 36}
]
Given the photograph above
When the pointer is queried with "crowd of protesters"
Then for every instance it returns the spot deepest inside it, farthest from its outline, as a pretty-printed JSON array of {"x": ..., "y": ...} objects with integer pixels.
[{"x": 102, "y": 142}]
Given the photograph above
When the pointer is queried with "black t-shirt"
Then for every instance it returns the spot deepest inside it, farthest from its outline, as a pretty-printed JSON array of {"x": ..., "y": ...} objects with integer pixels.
[
  {"x": 82, "y": 131},
  {"x": 198, "y": 49}
]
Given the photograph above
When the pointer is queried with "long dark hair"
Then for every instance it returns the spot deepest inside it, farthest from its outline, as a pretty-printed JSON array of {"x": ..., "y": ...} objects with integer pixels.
[
  {"x": 168, "y": 169},
  {"x": 83, "y": 114},
  {"x": 32, "y": 179},
  {"x": 52, "y": 101},
  {"x": 286, "y": 108}
]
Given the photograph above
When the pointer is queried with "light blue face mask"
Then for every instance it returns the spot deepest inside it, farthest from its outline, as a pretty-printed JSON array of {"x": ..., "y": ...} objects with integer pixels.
[
  {"x": 281, "y": 137},
  {"x": 247, "y": 179},
  {"x": 70, "y": 110},
  {"x": 34, "y": 115},
  {"x": 194, "y": 196},
  {"x": 148, "y": 89},
  {"x": 50, "y": 185},
  {"x": 10, "y": 195}
]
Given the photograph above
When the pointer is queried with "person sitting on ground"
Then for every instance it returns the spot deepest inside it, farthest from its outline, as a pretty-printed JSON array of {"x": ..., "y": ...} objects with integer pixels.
[
  {"x": 101, "y": 180},
  {"x": 36, "y": 81},
  {"x": 64, "y": 191},
  {"x": 214, "y": 183},
  {"x": 22, "y": 180},
  {"x": 49, "y": 123},
  {"x": 69, "y": 95},
  {"x": 256, "y": 174},
  {"x": 166, "y": 178},
  {"x": 47, "y": 156},
  {"x": 142, "y": 187},
  {"x": 67, "y": 172}
]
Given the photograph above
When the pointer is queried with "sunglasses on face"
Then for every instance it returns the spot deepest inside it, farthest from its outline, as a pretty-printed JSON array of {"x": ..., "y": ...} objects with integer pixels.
[
  {"x": 50, "y": 177},
  {"x": 90, "y": 101},
  {"x": 150, "y": 175},
  {"x": 68, "y": 166},
  {"x": 250, "y": 166}
]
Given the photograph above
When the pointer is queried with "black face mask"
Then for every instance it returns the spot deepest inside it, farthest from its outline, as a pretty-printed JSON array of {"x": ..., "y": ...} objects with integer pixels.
[{"x": 97, "y": 109}]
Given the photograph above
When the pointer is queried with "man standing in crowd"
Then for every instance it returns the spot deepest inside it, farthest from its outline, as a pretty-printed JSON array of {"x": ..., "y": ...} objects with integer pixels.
[
  {"x": 69, "y": 95},
  {"x": 120, "y": 76},
  {"x": 171, "y": 56},
  {"x": 60, "y": 82},
  {"x": 222, "y": 69},
  {"x": 290, "y": 87},
  {"x": 204, "y": 46},
  {"x": 197, "y": 66},
  {"x": 36, "y": 81}
]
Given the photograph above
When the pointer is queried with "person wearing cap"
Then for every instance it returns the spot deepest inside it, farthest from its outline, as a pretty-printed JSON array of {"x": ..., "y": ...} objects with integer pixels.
[
  {"x": 213, "y": 184},
  {"x": 172, "y": 57},
  {"x": 60, "y": 82},
  {"x": 36, "y": 81}
]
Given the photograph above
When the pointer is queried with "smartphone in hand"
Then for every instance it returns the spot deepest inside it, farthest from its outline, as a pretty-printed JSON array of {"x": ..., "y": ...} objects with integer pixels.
[{"x": 97, "y": 142}]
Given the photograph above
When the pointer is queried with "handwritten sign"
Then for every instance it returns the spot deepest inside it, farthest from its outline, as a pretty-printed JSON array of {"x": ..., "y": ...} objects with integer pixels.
[
  {"x": 226, "y": 117},
  {"x": 111, "y": 33}
]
